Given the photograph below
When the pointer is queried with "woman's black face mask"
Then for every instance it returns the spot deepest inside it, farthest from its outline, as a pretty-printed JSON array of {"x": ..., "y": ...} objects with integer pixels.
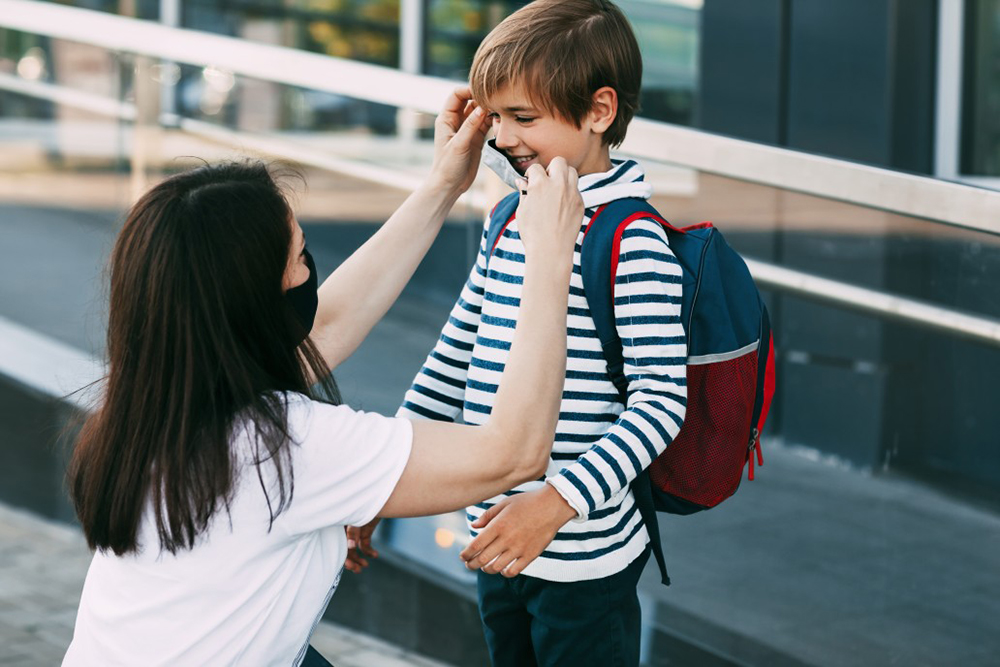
[{"x": 304, "y": 300}]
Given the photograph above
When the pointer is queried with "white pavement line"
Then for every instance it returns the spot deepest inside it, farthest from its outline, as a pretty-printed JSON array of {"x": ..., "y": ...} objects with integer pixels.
[{"x": 47, "y": 365}]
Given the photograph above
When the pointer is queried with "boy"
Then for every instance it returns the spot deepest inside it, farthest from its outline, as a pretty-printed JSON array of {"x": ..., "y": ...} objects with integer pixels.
[{"x": 560, "y": 558}]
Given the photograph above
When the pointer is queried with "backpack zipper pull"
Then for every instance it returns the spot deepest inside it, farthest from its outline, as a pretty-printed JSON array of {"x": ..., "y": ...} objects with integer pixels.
[{"x": 754, "y": 445}]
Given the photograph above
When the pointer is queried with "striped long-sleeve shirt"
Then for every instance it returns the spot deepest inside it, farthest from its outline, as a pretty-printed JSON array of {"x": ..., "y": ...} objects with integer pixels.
[{"x": 600, "y": 445}]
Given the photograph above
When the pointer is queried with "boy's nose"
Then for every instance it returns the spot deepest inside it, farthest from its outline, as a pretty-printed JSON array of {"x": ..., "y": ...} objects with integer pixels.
[{"x": 505, "y": 138}]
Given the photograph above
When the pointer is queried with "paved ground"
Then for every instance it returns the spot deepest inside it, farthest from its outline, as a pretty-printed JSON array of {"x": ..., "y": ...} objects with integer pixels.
[{"x": 42, "y": 568}]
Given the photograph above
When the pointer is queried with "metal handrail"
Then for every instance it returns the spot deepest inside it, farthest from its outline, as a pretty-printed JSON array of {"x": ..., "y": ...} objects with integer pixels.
[
  {"x": 270, "y": 145},
  {"x": 905, "y": 194},
  {"x": 856, "y": 184},
  {"x": 887, "y": 306}
]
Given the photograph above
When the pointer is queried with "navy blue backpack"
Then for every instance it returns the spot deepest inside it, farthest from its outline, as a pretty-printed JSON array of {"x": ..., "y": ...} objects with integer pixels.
[{"x": 730, "y": 364}]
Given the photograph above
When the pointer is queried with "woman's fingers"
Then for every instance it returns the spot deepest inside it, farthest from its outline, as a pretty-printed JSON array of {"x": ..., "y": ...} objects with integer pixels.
[
  {"x": 455, "y": 107},
  {"x": 459, "y": 133},
  {"x": 558, "y": 167},
  {"x": 460, "y": 117},
  {"x": 536, "y": 175},
  {"x": 471, "y": 127}
]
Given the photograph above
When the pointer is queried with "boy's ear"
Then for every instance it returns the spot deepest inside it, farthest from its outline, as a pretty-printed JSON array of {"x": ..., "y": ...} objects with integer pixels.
[{"x": 603, "y": 109}]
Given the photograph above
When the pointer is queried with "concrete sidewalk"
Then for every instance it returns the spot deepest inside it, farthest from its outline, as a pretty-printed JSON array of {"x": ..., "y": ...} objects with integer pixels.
[
  {"x": 42, "y": 568},
  {"x": 814, "y": 563}
]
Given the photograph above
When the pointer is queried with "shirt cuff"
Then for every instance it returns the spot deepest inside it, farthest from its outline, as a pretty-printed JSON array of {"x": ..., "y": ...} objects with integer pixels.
[{"x": 571, "y": 496}]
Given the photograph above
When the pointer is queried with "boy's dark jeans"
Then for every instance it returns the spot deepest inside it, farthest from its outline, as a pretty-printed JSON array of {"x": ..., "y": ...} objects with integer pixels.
[
  {"x": 531, "y": 621},
  {"x": 314, "y": 659}
]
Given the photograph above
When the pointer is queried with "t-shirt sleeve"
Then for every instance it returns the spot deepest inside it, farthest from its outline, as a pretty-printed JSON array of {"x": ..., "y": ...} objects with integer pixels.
[{"x": 346, "y": 464}]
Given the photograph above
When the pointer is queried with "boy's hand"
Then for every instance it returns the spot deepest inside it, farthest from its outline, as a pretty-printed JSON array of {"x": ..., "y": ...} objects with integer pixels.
[
  {"x": 459, "y": 133},
  {"x": 359, "y": 541},
  {"x": 517, "y": 530}
]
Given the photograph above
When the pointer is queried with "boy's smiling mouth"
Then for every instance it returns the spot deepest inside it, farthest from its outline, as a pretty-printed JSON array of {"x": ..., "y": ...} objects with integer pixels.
[{"x": 521, "y": 162}]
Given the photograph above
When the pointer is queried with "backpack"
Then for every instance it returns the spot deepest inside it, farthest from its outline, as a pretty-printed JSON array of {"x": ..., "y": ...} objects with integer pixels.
[{"x": 730, "y": 364}]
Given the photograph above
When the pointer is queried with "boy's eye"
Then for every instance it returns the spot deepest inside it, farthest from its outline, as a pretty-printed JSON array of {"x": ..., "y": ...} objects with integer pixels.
[
  {"x": 493, "y": 115},
  {"x": 523, "y": 119}
]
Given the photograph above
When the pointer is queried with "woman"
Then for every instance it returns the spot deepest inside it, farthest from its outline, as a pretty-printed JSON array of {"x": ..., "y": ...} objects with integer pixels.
[{"x": 212, "y": 480}]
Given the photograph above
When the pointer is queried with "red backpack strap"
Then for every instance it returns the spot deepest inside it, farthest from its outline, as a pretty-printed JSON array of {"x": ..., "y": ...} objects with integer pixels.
[{"x": 501, "y": 216}]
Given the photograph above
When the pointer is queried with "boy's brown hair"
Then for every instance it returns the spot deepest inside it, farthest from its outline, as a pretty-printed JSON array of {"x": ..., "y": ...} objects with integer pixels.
[{"x": 560, "y": 52}]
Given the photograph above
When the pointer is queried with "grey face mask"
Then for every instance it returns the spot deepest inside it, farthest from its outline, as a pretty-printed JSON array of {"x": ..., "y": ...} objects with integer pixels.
[{"x": 495, "y": 159}]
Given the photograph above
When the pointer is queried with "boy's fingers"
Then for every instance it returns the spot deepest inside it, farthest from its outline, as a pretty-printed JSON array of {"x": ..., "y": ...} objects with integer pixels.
[
  {"x": 486, "y": 556},
  {"x": 508, "y": 570},
  {"x": 475, "y": 558},
  {"x": 476, "y": 546},
  {"x": 487, "y": 516},
  {"x": 501, "y": 562},
  {"x": 495, "y": 565},
  {"x": 516, "y": 567}
]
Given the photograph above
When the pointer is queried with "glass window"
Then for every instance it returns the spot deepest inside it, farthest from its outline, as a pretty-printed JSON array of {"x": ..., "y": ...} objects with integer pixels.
[
  {"x": 981, "y": 122},
  {"x": 454, "y": 30},
  {"x": 668, "y": 32},
  {"x": 363, "y": 30}
]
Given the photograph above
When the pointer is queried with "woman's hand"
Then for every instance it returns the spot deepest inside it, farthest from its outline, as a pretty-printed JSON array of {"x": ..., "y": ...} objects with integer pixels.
[
  {"x": 459, "y": 132},
  {"x": 550, "y": 211}
]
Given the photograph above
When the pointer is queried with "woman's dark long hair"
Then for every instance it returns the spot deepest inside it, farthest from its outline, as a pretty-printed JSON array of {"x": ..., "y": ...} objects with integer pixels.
[{"x": 200, "y": 341}]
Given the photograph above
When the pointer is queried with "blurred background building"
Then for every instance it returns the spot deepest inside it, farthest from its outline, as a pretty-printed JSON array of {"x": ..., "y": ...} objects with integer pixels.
[{"x": 850, "y": 149}]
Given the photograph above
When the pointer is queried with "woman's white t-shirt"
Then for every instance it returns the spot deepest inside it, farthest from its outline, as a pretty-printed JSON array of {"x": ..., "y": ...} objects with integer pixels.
[{"x": 246, "y": 595}]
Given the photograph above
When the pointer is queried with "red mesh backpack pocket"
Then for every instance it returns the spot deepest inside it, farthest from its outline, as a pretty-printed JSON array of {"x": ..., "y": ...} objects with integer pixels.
[{"x": 704, "y": 463}]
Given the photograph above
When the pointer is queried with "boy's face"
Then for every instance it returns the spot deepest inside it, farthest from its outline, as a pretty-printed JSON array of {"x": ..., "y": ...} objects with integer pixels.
[{"x": 528, "y": 134}]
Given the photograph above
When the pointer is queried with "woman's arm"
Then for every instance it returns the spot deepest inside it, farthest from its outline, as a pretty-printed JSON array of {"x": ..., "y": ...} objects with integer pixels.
[
  {"x": 453, "y": 466},
  {"x": 356, "y": 296}
]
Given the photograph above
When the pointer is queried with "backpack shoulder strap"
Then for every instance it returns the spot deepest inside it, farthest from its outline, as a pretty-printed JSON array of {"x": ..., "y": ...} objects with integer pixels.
[
  {"x": 500, "y": 217},
  {"x": 598, "y": 265}
]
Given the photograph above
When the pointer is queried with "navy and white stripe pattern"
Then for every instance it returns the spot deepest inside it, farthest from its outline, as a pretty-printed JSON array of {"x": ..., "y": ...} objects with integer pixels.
[{"x": 599, "y": 446}]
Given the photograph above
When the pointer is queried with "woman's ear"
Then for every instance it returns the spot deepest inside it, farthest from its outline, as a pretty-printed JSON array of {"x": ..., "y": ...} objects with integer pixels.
[{"x": 603, "y": 109}]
